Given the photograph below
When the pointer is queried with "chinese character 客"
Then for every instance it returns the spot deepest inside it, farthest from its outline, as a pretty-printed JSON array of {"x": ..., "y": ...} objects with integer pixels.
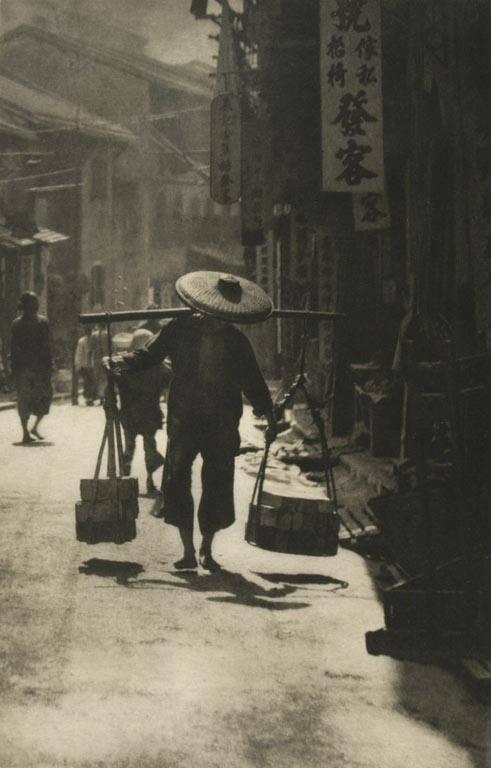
[
  {"x": 371, "y": 213},
  {"x": 366, "y": 75},
  {"x": 352, "y": 114},
  {"x": 367, "y": 48},
  {"x": 352, "y": 157},
  {"x": 336, "y": 74},
  {"x": 335, "y": 47}
]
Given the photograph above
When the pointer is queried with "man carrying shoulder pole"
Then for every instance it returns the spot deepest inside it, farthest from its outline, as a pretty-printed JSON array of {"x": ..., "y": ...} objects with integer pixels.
[{"x": 213, "y": 365}]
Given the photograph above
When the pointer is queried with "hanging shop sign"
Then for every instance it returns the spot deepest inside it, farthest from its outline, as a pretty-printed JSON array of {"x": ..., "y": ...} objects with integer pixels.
[
  {"x": 225, "y": 149},
  {"x": 225, "y": 120},
  {"x": 371, "y": 211},
  {"x": 351, "y": 96}
]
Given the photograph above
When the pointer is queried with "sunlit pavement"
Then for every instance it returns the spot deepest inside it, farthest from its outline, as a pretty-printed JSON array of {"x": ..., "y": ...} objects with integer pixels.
[{"x": 127, "y": 663}]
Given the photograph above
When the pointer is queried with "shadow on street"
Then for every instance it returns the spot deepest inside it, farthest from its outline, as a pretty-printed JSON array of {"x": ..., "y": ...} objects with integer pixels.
[
  {"x": 240, "y": 591},
  {"x": 122, "y": 571},
  {"x": 304, "y": 579},
  {"x": 40, "y": 444}
]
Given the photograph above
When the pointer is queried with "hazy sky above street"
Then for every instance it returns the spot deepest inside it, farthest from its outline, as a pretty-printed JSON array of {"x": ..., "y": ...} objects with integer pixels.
[{"x": 174, "y": 35}]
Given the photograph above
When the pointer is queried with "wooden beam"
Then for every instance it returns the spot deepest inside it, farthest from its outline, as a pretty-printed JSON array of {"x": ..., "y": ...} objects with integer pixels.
[
  {"x": 54, "y": 188},
  {"x": 41, "y": 175}
]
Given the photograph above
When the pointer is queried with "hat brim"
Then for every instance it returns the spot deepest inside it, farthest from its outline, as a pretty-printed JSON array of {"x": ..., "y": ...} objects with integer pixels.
[{"x": 202, "y": 292}]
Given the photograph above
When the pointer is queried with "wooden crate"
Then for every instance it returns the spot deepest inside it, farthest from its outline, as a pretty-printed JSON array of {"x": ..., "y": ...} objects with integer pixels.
[
  {"x": 123, "y": 488},
  {"x": 107, "y": 510},
  {"x": 107, "y": 531},
  {"x": 412, "y": 605},
  {"x": 420, "y": 609},
  {"x": 294, "y": 525}
]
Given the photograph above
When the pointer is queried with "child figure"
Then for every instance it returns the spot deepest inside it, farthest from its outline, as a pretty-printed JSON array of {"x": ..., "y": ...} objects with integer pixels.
[{"x": 140, "y": 395}]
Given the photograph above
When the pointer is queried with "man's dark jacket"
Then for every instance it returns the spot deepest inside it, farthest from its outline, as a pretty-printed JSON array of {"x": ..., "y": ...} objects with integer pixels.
[{"x": 211, "y": 371}]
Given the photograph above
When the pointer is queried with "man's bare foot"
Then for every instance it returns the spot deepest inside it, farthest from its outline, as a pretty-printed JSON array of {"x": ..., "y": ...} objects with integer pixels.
[
  {"x": 207, "y": 562},
  {"x": 187, "y": 563},
  {"x": 36, "y": 434},
  {"x": 27, "y": 438},
  {"x": 151, "y": 487}
]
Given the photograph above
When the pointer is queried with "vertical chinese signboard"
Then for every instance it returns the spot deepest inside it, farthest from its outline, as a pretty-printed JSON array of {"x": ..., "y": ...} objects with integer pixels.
[
  {"x": 225, "y": 120},
  {"x": 327, "y": 299},
  {"x": 351, "y": 93},
  {"x": 254, "y": 198},
  {"x": 265, "y": 265}
]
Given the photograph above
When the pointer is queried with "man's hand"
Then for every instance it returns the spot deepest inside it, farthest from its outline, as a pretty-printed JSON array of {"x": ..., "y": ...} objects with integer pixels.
[
  {"x": 112, "y": 366},
  {"x": 272, "y": 428}
]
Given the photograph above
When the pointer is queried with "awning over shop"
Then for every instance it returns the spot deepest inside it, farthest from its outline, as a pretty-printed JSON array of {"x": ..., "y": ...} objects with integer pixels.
[
  {"x": 49, "y": 237},
  {"x": 44, "y": 236},
  {"x": 25, "y": 110}
]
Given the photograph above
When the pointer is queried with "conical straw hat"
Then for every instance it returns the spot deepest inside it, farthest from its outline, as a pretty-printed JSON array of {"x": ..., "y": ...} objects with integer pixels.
[{"x": 224, "y": 296}]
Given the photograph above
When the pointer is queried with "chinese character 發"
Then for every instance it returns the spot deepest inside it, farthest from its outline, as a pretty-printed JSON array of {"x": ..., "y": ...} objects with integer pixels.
[
  {"x": 348, "y": 14},
  {"x": 335, "y": 47},
  {"x": 371, "y": 213},
  {"x": 366, "y": 75},
  {"x": 352, "y": 114},
  {"x": 367, "y": 48},
  {"x": 352, "y": 157},
  {"x": 336, "y": 74}
]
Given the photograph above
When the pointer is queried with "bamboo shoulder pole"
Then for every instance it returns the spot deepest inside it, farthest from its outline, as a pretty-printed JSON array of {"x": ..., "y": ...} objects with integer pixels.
[{"x": 163, "y": 314}]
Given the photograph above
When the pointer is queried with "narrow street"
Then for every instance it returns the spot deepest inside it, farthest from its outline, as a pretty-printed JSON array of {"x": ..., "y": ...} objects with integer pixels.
[{"x": 111, "y": 658}]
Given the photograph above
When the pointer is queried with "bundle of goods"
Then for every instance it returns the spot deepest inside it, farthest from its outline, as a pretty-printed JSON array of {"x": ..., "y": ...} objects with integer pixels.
[
  {"x": 281, "y": 521},
  {"x": 107, "y": 511}
]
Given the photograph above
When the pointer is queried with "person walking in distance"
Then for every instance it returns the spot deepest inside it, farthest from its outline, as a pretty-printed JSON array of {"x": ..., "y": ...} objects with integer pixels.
[
  {"x": 31, "y": 365},
  {"x": 213, "y": 366},
  {"x": 84, "y": 368}
]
